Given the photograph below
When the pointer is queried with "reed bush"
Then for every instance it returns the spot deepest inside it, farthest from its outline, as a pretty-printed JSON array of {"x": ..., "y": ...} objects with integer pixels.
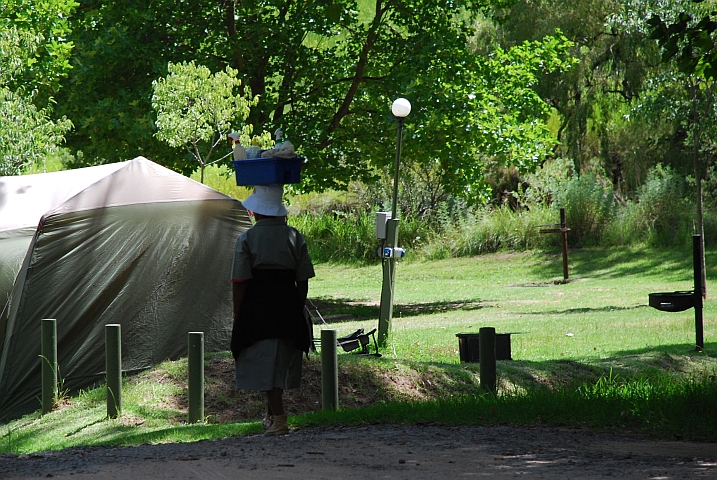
[
  {"x": 340, "y": 226},
  {"x": 335, "y": 237},
  {"x": 625, "y": 226},
  {"x": 589, "y": 206},
  {"x": 489, "y": 230},
  {"x": 666, "y": 212},
  {"x": 351, "y": 237}
]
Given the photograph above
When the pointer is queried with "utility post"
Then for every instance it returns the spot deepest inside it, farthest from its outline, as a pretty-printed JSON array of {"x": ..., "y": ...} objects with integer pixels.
[
  {"x": 385, "y": 314},
  {"x": 400, "y": 109}
]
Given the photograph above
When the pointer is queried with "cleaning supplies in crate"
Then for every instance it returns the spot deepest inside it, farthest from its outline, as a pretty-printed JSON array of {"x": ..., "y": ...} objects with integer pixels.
[
  {"x": 238, "y": 152},
  {"x": 283, "y": 148}
]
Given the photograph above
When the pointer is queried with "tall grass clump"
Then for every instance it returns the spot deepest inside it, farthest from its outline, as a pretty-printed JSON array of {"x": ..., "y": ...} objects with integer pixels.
[
  {"x": 351, "y": 237},
  {"x": 666, "y": 213},
  {"x": 488, "y": 229},
  {"x": 334, "y": 237},
  {"x": 626, "y": 227},
  {"x": 589, "y": 207},
  {"x": 663, "y": 213}
]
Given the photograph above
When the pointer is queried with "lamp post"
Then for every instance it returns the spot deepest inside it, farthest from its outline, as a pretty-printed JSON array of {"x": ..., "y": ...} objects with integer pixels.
[{"x": 400, "y": 109}]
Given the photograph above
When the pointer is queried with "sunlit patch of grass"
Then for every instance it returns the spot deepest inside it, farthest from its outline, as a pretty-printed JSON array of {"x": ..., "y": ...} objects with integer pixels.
[{"x": 588, "y": 345}]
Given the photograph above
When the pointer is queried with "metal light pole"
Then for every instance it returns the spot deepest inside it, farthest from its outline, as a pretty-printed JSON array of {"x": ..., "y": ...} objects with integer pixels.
[{"x": 400, "y": 109}]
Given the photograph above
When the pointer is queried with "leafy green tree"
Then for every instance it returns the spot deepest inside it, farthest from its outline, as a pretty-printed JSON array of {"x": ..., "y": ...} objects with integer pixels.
[
  {"x": 120, "y": 48},
  {"x": 487, "y": 108},
  {"x": 196, "y": 110},
  {"x": 33, "y": 57},
  {"x": 592, "y": 97},
  {"x": 27, "y": 135},
  {"x": 324, "y": 70},
  {"x": 40, "y": 51}
]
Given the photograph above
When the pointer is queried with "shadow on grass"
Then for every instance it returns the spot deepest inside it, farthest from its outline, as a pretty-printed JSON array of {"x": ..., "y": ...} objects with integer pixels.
[
  {"x": 632, "y": 364},
  {"x": 582, "y": 310},
  {"x": 188, "y": 433},
  {"x": 614, "y": 262},
  {"x": 684, "y": 349},
  {"x": 337, "y": 310}
]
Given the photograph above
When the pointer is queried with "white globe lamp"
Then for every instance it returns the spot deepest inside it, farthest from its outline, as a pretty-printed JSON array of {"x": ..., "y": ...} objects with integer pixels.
[{"x": 401, "y": 108}]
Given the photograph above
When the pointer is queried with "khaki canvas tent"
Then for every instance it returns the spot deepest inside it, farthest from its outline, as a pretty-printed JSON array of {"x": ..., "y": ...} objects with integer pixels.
[{"x": 131, "y": 243}]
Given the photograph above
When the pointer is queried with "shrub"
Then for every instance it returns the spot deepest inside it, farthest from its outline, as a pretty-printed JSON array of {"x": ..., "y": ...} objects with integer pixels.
[
  {"x": 665, "y": 214},
  {"x": 351, "y": 237},
  {"x": 488, "y": 230},
  {"x": 545, "y": 184},
  {"x": 589, "y": 206}
]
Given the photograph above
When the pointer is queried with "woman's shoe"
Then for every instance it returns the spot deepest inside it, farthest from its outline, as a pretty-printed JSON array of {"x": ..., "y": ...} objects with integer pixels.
[{"x": 279, "y": 427}]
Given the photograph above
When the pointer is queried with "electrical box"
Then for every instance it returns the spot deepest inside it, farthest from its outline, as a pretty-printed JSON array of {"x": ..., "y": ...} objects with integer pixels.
[
  {"x": 389, "y": 252},
  {"x": 382, "y": 219}
]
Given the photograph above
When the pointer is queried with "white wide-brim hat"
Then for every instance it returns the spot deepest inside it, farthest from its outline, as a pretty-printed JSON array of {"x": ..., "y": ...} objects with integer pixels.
[{"x": 266, "y": 200}]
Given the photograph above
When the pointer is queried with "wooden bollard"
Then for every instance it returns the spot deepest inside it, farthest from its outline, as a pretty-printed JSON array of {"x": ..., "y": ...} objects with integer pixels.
[
  {"x": 329, "y": 372},
  {"x": 48, "y": 354},
  {"x": 113, "y": 368},
  {"x": 486, "y": 357},
  {"x": 195, "y": 367}
]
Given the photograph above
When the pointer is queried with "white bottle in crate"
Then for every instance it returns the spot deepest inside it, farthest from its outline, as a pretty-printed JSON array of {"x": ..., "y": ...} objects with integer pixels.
[
  {"x": 253, "y": 151},
  {"x": 238, "y": 151}
]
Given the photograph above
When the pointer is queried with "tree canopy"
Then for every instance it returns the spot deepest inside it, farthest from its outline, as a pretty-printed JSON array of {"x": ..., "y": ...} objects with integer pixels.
[
  {"x": 196, "y": 110},
  {"x": 34, "y": 56},
  {"x": 326, "y": 71},
  {"x": 493, "y": 83}
]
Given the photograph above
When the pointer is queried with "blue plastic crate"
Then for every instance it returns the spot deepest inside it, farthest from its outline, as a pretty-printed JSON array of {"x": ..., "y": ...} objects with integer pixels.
[{"x": 268, "y": 171}]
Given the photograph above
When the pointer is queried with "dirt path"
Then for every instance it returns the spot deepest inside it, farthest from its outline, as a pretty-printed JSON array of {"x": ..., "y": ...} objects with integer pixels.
[{"x": 404, "y": 452}]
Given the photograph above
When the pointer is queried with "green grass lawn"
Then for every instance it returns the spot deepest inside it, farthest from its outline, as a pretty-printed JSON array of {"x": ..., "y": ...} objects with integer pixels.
[
  {"x": 586, "y": 352},
  {"x": 600, "y": 313}
]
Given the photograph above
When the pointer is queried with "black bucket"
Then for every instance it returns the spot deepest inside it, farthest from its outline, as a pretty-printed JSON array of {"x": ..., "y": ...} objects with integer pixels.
[{"x": 469, "y": 349}]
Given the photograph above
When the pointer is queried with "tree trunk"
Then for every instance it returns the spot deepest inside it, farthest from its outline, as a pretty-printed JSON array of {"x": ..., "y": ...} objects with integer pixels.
[{"x": 371, "y": 38}]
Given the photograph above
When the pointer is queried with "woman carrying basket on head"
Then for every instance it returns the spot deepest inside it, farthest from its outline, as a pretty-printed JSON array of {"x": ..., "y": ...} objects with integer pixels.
[{"x": 270, "y": 282}]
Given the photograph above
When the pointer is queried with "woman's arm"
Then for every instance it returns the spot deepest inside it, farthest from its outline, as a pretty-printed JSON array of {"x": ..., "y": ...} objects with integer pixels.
[{"x": 303, "y": 289}]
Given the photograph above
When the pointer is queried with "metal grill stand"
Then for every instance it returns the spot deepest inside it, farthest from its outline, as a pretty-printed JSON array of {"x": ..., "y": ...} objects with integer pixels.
[{"x": 680, "y": 301}]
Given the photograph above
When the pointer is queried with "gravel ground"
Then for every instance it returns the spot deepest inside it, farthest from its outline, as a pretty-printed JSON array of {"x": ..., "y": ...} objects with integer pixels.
[{"x": 403, "y": 452}]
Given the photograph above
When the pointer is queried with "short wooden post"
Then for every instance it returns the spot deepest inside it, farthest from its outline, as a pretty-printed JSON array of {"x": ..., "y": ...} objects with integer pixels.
[
  {"x": 486, "y": 357},
  {"x": 329, "y": 371},
  {"x": 113, "y": 367},
  {"x": 195, "y": 359},
  {"x": 48, "y": 354}
]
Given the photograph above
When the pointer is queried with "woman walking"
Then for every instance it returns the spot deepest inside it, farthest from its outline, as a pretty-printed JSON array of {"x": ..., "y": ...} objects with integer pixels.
[{"x": 270, "y": 282}]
